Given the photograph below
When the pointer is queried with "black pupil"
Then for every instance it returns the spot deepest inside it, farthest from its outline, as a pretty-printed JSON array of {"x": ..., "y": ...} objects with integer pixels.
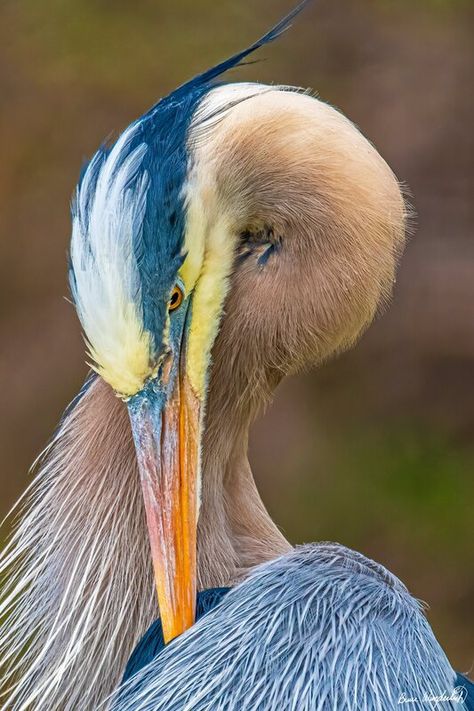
[{"x": 174, "y": 297}]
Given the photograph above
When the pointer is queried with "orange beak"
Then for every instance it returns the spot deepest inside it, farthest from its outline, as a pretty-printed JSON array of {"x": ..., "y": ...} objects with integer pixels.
[{"x": 167, "y": 445}]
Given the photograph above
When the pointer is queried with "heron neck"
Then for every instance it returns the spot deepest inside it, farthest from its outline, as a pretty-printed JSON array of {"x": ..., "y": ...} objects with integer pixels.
[{"x": 235, "y": 530}]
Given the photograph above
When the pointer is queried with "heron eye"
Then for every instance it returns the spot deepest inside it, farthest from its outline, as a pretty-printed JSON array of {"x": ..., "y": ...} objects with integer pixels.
[{"x": 176, "y": 298}]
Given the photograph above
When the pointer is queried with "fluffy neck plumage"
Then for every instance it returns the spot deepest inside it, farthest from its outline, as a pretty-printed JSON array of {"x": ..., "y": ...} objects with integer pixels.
[
  {"x": 235, "y": 530},
  {"x": 79, "y": 589}
]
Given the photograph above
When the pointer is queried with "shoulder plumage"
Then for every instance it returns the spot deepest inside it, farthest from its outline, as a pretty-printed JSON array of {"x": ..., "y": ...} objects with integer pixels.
[{"x": 323, "y": 627}]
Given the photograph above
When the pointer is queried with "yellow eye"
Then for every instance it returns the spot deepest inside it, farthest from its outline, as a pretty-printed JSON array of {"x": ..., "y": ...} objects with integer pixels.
[{"x": 176, "y": 298}]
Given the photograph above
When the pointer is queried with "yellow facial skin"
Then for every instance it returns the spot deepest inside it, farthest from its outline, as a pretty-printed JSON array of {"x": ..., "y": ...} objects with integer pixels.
[{"x": 206, "y": 269}]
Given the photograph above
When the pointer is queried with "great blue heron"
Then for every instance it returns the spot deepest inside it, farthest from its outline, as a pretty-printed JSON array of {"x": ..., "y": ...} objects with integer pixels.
[{"x": 232, "y": 235}]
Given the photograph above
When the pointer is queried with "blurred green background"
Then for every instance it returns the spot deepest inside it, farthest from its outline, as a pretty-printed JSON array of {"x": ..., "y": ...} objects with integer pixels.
[{"x": 375, "y": 450}]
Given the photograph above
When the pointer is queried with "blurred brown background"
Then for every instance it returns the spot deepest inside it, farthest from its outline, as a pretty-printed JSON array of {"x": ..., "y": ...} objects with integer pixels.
[{"x": 376, "y": 449}]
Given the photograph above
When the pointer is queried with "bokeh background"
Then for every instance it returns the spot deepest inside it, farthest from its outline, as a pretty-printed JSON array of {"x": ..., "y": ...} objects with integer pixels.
[{"x": 375, "y": 450}]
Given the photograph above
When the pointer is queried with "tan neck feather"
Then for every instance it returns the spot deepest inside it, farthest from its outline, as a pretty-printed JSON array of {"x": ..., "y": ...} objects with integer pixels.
[{"x": 235, "y": 531}]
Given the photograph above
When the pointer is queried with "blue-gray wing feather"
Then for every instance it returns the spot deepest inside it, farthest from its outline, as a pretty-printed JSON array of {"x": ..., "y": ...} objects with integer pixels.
[{"x": 320, "y": 629}]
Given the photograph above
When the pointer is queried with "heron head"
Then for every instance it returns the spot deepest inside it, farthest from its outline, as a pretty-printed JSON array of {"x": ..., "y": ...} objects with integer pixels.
[{"x": 266, "y": 186}]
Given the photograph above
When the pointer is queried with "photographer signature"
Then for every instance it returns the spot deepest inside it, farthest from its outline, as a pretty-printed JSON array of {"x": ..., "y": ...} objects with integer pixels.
[{"x": 458, "y": 695}]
